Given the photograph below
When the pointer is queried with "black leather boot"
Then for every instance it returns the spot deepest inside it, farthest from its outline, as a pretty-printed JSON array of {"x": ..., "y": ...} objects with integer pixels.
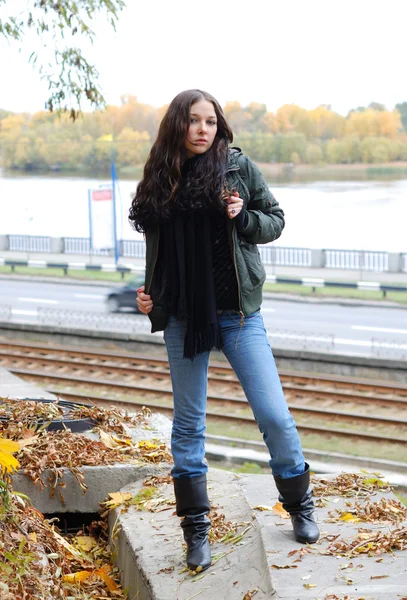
[
  {"x": 193, "y": 504},
  {"x": 296, "y": 497}
]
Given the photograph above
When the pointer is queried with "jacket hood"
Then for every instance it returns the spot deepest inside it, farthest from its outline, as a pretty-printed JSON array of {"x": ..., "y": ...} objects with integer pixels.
[{"x": 234, "y": 154}]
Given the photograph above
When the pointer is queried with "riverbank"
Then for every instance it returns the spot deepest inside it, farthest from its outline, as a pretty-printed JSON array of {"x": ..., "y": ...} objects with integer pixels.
[
  {"x": 279, "y": 172},
  {"x": 273, "y": 172}
]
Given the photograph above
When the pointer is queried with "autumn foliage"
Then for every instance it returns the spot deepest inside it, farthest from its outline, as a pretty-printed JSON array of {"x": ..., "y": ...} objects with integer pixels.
[{"x": 47, "y": 141}]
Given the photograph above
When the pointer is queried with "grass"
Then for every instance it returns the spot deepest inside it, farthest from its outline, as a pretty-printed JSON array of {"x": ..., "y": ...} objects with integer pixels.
[
  {"x": 352, "y": 447},
  {"x": 72, "y": 274},
  {"x": 328, "y": 292},
  {"x": 278, "y": 288}
]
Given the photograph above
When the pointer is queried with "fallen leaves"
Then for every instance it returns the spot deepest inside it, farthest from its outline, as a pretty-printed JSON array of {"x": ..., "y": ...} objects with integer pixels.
[
  {"x": 349, "y": 484},
  {"x": 116, "y": 499},
  {"x": 280, "y": 511},
  {"x": 57, "y": 450},
  {"x": 370, "y": 543},
  {"x": 385, "y": 510},
  {"x": 249, "y": 595},
  {"x": 41, "y": 563},
  {"x": 262, "y": 507},
  {"x": 8, "y": 463}
]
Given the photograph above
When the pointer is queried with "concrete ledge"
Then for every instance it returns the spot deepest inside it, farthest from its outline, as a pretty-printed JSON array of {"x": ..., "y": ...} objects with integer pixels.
[
  {"x": 353, "y": 577},
  {"x": 100, "y": 480},
  {"x": 149, "y": 550}
]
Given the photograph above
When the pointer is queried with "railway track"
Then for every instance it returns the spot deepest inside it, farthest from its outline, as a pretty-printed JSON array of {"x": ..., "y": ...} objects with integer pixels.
[{"x": 324, "y": 405}]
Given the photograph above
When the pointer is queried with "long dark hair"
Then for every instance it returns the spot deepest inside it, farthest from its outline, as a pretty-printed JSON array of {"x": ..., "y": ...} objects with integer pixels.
[{"x": 153, "y": 201}]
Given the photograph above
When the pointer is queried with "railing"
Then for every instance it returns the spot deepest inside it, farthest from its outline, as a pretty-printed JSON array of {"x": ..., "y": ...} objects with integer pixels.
[
  {"x": 357, "y": 259},
  {"x": 279, "y": 255},
  {"x": 75, "y": 245},
  {"x": 133, "y": 248},
  {"x": 29, "y": 243}
]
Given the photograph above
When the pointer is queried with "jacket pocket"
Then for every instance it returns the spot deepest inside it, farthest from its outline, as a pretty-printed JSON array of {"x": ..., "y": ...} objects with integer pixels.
[{"x": 252, "y": 260}]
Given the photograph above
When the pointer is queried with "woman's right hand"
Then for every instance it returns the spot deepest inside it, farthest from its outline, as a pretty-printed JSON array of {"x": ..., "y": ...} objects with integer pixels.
[{"x": 144, "y": 302}]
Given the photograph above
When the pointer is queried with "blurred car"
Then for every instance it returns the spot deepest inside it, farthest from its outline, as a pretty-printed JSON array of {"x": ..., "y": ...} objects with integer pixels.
[{"x": 125, "y": 297}]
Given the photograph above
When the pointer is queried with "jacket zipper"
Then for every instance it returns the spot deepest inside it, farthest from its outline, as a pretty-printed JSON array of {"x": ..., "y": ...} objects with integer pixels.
[{"x": 237, "y": 276}]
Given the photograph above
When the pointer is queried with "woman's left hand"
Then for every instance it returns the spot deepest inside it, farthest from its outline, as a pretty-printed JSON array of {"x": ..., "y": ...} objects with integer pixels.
[{"x": 234, "y": 205}]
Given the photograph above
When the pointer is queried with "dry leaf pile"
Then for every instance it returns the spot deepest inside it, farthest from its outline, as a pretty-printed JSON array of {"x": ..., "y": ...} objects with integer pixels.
[
  {"x": 112, "y": 419},
  {"x": 221, "y": 530},
  {"x": 18, "y": 415},
  {"x": 37, "y": 562},
  {"x": 368, "y": 542},
  {"x": 56, "y": 450},
  {"x": 349, "y": 484},
  {"x": 386, "y": 510}
]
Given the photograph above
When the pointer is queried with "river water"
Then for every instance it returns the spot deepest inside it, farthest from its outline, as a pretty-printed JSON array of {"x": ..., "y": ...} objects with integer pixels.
[{"x": 362, "y": 215}]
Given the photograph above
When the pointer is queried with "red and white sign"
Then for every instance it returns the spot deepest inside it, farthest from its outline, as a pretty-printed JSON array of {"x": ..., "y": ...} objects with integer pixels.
[{"x": 101, "y": 217}]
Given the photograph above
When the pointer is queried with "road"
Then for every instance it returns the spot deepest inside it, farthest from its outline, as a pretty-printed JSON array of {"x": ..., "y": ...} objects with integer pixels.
[{"x": 362, "y": 330}]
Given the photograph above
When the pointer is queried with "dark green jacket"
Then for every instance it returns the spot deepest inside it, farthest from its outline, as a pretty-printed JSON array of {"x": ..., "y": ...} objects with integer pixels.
[{"x": 265, "y": 224}]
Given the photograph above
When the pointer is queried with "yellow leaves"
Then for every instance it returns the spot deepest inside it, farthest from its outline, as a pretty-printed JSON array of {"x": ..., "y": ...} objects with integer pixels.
[
  {"x": 280, "y": 511},
  {"x": 309, "y": 586},
  {"x": 107, "y": 439},
  {"x": 8, "y": 463},
  {"x": 375, "y": 482},
  {"x": 153, "y": 452},
  {"x": 147, "y": 445},
  {"x": 262, "y": 507},
  {"x": 116, "y": 498},
  {"x": 77, "y": 577},
  {"x": 102, "y": 573},
  {"x": 85, "y": 543},
  {"x": 113, "y": 442},
  {"x": 349, "y": 518},
  {"x": 68, "y": 547}
]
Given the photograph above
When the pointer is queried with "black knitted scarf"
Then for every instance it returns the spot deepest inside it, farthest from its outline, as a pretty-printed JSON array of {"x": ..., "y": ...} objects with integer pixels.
[{"x": 186, "y": 260}]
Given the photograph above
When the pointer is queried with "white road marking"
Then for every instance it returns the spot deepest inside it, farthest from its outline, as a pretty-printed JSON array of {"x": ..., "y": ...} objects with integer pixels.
[
  {"x": 268, "y": 310},
  {"x": 336, "y": 341},
  {"x": 93, "y": 296},
  {"x": 16, "y": 311},
  {"x": 42, "y": 300},
  {"x": 379, "y": 329}
]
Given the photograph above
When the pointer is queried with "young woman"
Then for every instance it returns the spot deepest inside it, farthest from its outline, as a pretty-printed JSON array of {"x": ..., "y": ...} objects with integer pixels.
[{"x": 203, "y": 207}]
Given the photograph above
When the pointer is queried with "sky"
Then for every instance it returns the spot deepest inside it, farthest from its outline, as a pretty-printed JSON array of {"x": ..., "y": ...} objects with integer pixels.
[{"x": 312, "y": 52}]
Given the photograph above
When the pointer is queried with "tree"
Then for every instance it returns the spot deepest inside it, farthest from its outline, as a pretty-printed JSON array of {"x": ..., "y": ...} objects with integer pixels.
[
  {"x": 402, "y": 108},
  {"x": 377, "y": 106},
  {"x": 71, "y": 78}
]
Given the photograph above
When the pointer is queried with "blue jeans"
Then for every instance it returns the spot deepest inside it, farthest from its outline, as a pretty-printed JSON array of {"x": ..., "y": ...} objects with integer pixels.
[{"x": 247, "y": 349}]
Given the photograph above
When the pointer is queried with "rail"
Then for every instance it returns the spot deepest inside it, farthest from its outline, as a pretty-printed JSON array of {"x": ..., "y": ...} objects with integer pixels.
[
  {"x": 29, "y": 243},
  {"x": 346, "y": 409},
  {"x": 357, "y": 260}
]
